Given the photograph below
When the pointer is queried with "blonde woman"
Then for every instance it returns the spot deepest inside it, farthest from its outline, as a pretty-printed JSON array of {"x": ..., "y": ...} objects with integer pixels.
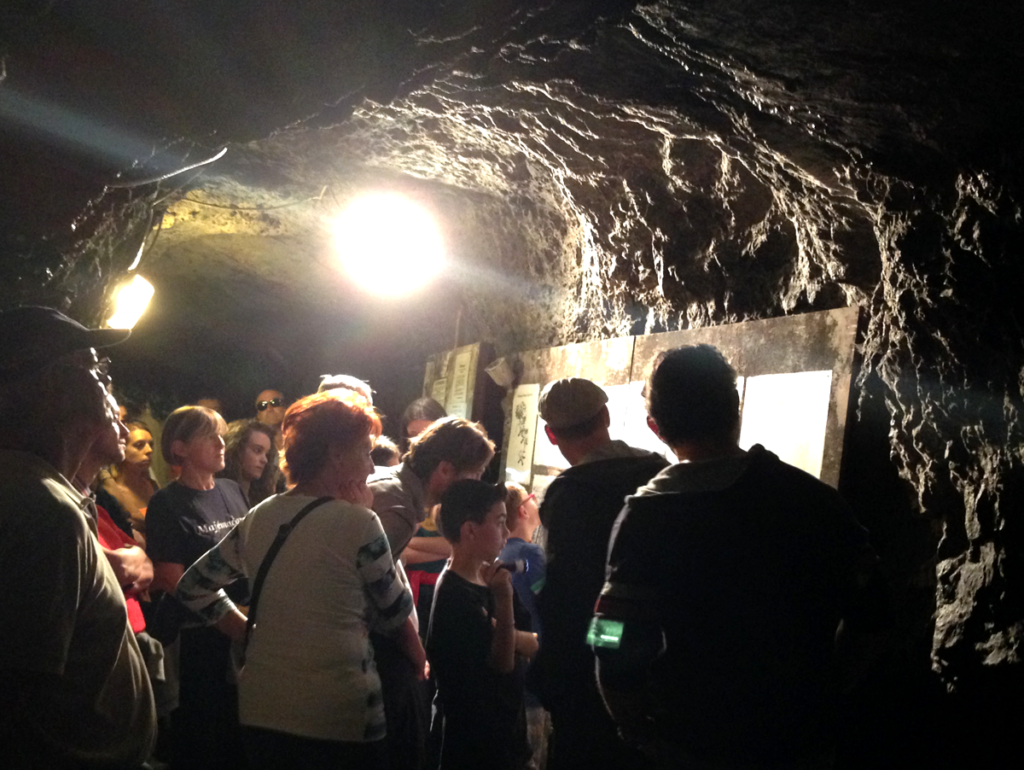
[{"x": 185, "y": 519}]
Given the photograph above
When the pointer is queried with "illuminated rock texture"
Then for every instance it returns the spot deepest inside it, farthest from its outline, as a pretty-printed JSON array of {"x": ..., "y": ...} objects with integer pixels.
[{"x": 599, "y": 169}]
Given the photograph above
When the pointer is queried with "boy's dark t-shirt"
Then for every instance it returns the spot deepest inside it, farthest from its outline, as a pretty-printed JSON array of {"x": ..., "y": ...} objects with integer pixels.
[{"x": 484, "y": 717}]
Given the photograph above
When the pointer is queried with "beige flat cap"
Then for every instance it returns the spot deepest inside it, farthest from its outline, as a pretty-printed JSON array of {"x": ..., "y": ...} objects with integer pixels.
[{"x": 570, "y": 401}]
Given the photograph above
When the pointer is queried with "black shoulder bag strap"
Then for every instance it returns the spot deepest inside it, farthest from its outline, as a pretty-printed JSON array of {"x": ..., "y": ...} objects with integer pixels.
[{"x": 261, "y": 573}]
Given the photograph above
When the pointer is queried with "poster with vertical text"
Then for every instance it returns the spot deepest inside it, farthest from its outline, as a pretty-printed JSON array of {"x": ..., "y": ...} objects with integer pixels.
[
  {"x": 458, "y": 404},
  {"x": 522, "y": 434}
]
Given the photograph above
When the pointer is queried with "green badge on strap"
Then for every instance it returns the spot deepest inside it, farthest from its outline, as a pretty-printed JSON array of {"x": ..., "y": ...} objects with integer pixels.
[{"x": 605, "y": 633}]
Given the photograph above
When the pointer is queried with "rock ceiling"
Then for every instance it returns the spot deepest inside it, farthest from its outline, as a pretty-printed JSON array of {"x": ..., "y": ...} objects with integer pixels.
[{"x": 597, "y": 167}]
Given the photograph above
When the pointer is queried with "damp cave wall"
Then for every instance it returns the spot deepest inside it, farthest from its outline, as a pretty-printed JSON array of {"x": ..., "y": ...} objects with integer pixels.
[{"x": 652, "y": 166}]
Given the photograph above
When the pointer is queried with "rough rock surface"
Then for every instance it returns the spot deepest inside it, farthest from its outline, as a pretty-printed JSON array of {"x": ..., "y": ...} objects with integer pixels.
[{"x": 598, "y": 168}]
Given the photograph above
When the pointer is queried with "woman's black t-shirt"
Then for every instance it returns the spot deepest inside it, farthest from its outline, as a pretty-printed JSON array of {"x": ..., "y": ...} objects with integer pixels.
[{"x": 183, "y": 523}]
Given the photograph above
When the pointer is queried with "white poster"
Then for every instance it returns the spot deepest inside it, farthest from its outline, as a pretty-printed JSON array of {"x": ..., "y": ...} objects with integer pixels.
[
  {"x": 545, "y": 453},
  {"x": 787, "y": 413},
  {"x": 633, "y": 428},
  {"x": 620, "y": 398},
  {"x": 522, "y": 434},
  {"x": 540, "y": 486},
  {"x": 459, "y": 404},
  {"x": 438, "y": 390}
]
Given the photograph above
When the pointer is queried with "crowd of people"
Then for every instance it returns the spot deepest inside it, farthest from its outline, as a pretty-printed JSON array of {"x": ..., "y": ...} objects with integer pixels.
[{"x": 306, "y": 592}]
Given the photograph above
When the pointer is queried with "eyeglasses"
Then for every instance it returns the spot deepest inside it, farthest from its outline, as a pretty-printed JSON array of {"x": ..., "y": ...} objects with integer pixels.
[
  {"x": 102, "y": 368},
  {"x": 261, "y": 406},
  {"x": 527, "y": 499},
  {"x": 87, "y": 360}
]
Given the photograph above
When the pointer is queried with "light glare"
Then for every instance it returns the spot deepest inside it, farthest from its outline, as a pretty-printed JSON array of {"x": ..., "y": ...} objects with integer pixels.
[
  {"x": 130, "y": 303},
  {"x": 388, "y": 245}
]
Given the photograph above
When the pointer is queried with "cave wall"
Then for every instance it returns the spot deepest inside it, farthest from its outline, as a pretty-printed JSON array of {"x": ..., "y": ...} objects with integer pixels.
[
  {"x": 748, "y": 176},
  {"x": 612, "y": 168}
]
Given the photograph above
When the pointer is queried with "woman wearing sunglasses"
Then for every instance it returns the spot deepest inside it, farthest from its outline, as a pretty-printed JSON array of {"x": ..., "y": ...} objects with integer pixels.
[{"x": 270, "y": 407}]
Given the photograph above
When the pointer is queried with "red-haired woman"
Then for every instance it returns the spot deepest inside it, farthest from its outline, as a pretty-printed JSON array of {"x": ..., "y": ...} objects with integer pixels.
[{"x": 309, "y": 695}]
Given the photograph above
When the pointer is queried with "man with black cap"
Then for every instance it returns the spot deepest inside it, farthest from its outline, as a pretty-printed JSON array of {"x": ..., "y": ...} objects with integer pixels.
[
  {"x": 578, "y": 511},
  {"x": 73, "y": 687}
]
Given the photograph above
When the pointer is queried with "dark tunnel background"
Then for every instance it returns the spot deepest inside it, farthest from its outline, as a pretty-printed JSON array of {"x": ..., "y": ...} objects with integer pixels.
[{"x": 597, "y": 169}]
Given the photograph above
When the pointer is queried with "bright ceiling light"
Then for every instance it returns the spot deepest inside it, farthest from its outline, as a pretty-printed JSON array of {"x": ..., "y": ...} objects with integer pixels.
[
  {"x": 130, "y": 303},
  {"x": 388, "y": 244}
]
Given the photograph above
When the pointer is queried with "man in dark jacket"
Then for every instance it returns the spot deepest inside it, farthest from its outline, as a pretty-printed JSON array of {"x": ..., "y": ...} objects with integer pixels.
[
  {"x": 728, "y": 576},
  {"x": 578, "y": 511}
]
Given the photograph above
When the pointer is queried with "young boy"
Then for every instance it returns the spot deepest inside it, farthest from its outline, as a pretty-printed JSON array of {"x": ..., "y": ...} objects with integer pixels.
[{"x": 474, "y": 649}]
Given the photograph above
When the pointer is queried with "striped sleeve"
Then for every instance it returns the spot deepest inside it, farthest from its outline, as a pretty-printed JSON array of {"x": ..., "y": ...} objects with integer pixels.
[
  {"x": 201, "y": 588},
  {"x": 391, "y": 598}
]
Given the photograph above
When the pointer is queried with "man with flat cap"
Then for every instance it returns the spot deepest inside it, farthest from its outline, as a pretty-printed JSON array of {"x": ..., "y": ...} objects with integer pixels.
[
  {"x": 578, "y": 511},
  {"x": 74, "y": 692}
]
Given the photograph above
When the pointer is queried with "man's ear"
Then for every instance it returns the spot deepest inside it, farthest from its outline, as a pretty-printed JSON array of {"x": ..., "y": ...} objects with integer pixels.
[
  {"x": 443, "y": 475},
  {"x": 654, "y": 427},
  {"x": 550, "y": 434},
  {"x": 607, "y": 419}
]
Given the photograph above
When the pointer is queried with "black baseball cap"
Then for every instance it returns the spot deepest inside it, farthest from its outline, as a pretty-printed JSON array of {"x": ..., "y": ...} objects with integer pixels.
[{"x": 32, "y": 337}]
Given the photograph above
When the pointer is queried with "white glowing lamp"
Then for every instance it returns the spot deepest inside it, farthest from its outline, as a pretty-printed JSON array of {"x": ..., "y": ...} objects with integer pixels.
[
  {"x": 388, "y": 245},
  {"x": 130, "y": 303}
]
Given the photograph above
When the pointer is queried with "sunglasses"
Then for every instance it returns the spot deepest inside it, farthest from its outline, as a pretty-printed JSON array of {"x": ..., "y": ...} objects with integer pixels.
[
  {"x": 261, "y": 406},
  {"x": 527, "y": 499}
]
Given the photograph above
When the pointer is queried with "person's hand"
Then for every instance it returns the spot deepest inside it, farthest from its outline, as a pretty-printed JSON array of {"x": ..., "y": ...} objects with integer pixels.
[
  {"x": 418, "y": 656},
  {"x": 357, "y": 493},
  {"x": 132, "y": 568},
  {"x": 498, "y": 580},
  {"x": 526, "y": 644},
  {"x": 233, "y": 625}
]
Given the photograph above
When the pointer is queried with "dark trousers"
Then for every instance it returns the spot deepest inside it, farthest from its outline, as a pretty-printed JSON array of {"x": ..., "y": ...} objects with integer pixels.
[
  {"x": 272, "y": 750},
  {"x": 405, "y": 705},
  {"x": 204, "y": 728},
  {"x": 583, "y": 735}
]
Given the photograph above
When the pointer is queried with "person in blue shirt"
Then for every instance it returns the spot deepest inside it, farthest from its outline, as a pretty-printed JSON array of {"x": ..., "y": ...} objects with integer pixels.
[{"x": 523, "y": 523}]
